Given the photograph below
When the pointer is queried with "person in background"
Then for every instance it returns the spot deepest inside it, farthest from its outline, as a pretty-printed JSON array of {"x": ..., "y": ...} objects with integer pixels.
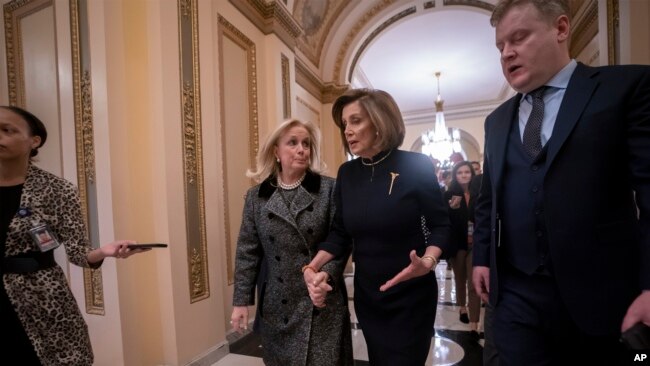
[
  {"x": 563, "y": 261},
  {"x": 284, "y": 218},
  {"x": 460, "y": 199},
  {"x": 476, "y": 166},
  {"x": 40, "y": 318},
  {"x": 475, "y": 184},
  {"x": 389, "y": 210},
  {"x": 444, "y": 177}
]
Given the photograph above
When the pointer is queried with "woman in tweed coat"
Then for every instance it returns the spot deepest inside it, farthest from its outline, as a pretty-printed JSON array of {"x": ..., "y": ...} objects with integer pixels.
[
  {"x": 38, "y": 313},
  {"x": 284, "y": 218}
]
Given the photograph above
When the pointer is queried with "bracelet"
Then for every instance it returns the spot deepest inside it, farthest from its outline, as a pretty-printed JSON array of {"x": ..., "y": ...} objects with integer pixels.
[
  {"x": 306, "y": 267},
  {"x": 431, "y": 258}
]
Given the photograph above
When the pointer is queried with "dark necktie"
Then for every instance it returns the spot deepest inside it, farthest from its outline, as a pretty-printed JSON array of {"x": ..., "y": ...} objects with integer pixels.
[{"x": 533, "y": 131}]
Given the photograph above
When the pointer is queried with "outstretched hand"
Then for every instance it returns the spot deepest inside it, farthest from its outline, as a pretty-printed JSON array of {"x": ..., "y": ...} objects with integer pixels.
[
  {"x": 416, "y": 268},
  {"x": 120, "y": 249}
]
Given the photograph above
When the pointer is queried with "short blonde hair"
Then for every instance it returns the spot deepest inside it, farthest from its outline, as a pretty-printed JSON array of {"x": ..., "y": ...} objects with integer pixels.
[
  {"x": 548, "y": 9},
  {"x": 267, "y": 165},
  {"x": 384, "y": 115}
]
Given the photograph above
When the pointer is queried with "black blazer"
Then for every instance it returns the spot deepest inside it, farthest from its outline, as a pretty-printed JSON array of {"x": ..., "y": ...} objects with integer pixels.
[
  {"x": 598, "y": 173},
  {"x": 458, "y": 219}
]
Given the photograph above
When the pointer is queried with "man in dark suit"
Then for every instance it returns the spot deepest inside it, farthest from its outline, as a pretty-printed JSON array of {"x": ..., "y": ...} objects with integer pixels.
[{"x": 560, "y": 249}]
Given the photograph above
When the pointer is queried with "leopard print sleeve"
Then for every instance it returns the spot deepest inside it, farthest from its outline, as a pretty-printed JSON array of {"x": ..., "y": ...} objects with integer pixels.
[{"x": 72, "y": 228}]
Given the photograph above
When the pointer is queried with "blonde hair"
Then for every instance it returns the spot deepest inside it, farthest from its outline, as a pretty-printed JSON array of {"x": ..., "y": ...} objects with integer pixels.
[
  {"x": 384, "y": 115},
  {"x": 267, "y": 165},
  {"x": 548, "y": 9}
]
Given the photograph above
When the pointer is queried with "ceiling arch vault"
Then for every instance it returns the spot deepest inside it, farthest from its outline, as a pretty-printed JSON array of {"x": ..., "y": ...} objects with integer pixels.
[{"x": 397, "y": 46}]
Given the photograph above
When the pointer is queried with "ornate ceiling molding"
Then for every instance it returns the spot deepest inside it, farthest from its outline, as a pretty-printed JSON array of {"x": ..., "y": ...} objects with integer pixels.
[
  {"x": 354, "y": 32},
  {"x": 473, "y": 3},
  {"x": 272, "y": 17},
  {"x": 324, "y": 92},
  {"x": 402, "y": 14},
  {"x": 317, "y": 27}
]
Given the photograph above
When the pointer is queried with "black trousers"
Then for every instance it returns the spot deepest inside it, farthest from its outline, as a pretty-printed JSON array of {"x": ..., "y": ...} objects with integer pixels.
[
  {"x": 16, "y": 345},
  {"x": 533, "y": 327}
]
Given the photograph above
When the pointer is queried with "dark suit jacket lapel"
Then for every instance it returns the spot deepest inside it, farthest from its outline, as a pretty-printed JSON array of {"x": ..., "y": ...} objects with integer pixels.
[
  {"x": 576, "y": 98},
  {"x": 499, "y": 137}
]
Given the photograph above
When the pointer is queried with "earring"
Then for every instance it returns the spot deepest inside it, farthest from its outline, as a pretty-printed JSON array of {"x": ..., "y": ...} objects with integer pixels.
[
  {"x": 377, "y": 133},
  {"x": 277, "y": 160}
]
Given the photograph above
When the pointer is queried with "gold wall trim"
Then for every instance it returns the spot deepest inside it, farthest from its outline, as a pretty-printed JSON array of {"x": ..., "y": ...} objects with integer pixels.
[
  {"x": 347, "y": 42},
  {"x": 226, "y": 29},
  {"x": 270, "y": 17},
  {"x": 286, "y": 86},
  {"x": 14, "y": 11},
  {"x": 324, "y": 92},
  {"x": 197, "y": 250},
  {"x": 613, "y": 19},
  {"x": 585, "y": 28},
  {"x": 85, "y": 145}
]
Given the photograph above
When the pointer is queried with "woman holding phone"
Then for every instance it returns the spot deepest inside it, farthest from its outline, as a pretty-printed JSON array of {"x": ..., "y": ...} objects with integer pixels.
[{"x": 39, "y": 212}]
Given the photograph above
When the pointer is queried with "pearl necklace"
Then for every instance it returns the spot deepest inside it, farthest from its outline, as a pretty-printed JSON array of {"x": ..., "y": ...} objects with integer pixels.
[{"x": 291, "y": 186}]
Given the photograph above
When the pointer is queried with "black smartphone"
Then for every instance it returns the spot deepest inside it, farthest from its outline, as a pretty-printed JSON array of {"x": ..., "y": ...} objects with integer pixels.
[
  {"x": 637, "y": 337},
  {"x": 147, "y": 246}
]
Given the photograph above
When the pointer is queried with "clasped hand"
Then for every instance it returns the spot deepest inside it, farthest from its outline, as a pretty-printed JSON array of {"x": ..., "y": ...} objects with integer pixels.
[
  {"x": 416, "y": 268},
  {"x": 317, "y": 286}
]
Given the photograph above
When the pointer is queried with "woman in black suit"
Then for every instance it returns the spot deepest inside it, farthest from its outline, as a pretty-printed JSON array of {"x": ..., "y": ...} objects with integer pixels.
[{"x": 389, "y": 209}]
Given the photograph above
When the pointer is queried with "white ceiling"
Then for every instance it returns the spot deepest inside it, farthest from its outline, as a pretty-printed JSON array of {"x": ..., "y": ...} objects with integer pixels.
[{"x": 458, "y": 42}]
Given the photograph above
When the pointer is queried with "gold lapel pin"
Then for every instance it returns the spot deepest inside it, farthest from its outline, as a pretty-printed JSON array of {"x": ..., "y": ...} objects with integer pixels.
[{"x": 393, "y": 176}]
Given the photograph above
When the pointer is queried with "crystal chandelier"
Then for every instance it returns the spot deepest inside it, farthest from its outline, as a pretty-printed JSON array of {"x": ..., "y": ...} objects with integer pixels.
[{"x": 437, "y": 142}]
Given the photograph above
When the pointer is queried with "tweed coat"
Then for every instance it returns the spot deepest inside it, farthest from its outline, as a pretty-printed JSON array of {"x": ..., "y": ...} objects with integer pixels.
[
  {"x": 43, "y": 300},
  {"x": 293, "y": 331}
]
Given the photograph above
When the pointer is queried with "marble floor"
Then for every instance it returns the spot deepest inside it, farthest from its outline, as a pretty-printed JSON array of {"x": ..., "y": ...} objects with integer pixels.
[{"x": 452, "y": 343}]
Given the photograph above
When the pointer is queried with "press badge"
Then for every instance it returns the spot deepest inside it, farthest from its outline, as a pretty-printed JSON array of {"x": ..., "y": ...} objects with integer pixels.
[{"x": 44, "y": 238}]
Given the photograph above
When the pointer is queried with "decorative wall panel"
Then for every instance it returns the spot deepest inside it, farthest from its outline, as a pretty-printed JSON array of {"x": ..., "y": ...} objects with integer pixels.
[
  {"x": 197, "y": 252},
  {"x": 612, "y": 32},
  {"x": 84, "y": 137},
  {"x": 239, "y": 122},
  {"x": 14, "y": 12},
  {"x": 286, "y": 87}
]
